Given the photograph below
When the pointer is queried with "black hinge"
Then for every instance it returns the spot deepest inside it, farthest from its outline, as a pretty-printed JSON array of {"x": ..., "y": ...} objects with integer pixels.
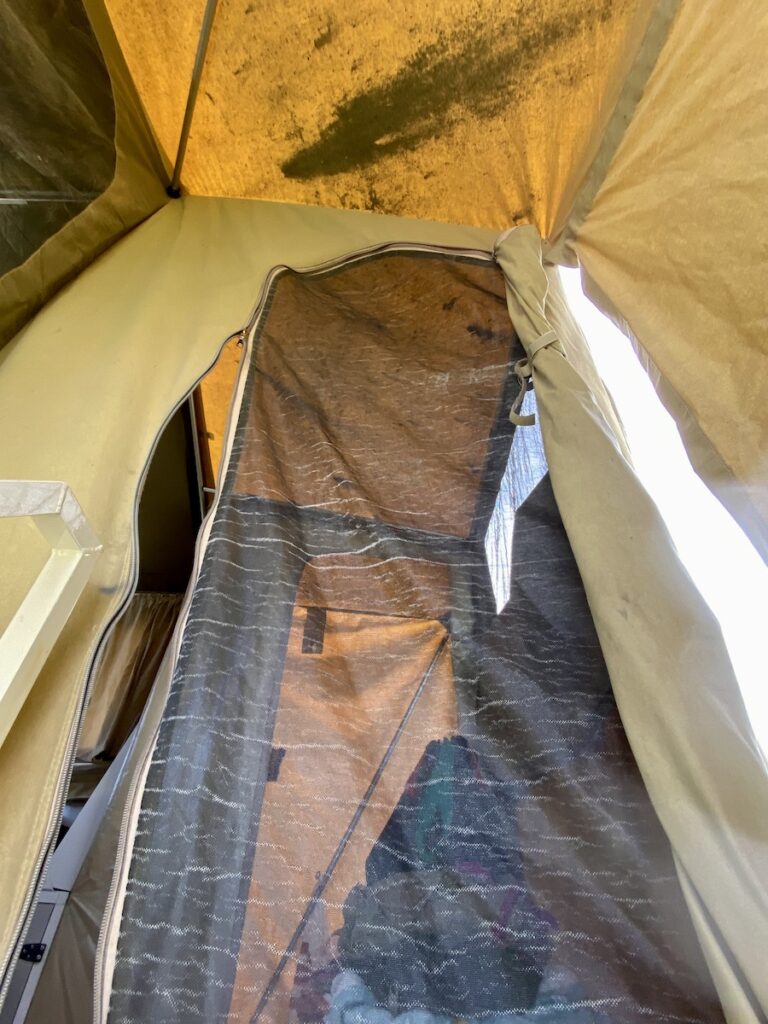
[{"x": 32, "y": 952}]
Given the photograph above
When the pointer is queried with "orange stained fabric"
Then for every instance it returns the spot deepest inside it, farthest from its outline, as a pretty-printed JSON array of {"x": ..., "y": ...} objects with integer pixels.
[{"x": 338, "y": 712}]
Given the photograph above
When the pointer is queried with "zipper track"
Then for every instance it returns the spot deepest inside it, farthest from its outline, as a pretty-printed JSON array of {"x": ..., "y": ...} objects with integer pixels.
[
  {"x": 110, "y": 920},
  {"x": 93, "y": 661},
  {"x": 140, "y": 769}
]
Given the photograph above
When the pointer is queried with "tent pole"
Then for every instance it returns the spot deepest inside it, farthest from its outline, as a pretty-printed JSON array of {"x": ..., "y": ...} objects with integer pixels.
[{"x": 174, "y": 189}]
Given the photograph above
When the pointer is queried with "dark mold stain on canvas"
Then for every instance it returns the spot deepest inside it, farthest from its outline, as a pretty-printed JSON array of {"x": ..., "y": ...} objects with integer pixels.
[
  {"x": 479, "y": 71},
  {"x": 324, "y": 38}
]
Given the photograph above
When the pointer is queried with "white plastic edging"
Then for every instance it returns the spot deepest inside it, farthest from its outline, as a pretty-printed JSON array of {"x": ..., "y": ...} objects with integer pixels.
[{"x": 32, "y": 632}]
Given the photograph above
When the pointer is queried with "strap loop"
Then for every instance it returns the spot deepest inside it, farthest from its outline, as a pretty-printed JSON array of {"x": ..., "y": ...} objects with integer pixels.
[
  {"x": 523, "y": 368},
  {"x": 541, "y": 342},
  {"x": 523, "y": 371}
]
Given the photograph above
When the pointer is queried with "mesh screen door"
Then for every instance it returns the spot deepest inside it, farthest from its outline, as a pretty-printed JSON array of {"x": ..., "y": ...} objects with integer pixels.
[{"x": 391, "y": 781}]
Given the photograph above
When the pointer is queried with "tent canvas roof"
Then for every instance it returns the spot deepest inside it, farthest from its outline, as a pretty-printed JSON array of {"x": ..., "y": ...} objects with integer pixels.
[{"x": 389, "y": 107}]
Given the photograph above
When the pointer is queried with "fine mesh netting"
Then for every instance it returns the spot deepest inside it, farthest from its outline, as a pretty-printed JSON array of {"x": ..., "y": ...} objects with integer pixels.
[
  {"x": 391, "y": 782},
  {"x": 57, "y": 122}
]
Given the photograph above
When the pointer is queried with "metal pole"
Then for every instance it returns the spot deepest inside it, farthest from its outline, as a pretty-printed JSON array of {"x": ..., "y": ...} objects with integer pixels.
[
  {"x": 325, "y": 878},
  {"x": 174, "y": 190}
]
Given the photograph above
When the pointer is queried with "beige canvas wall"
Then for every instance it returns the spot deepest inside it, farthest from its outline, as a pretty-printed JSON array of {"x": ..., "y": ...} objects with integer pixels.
[
  {"x": 84, "y": 390},
  {"x": 676, "y": 242},
  {"x": 676, "y": 690}
]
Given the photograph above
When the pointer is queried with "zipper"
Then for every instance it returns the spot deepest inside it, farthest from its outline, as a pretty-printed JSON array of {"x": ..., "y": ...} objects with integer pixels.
[
  {"x": 136, "y": 786},
  {"x": 109, "y": 931},
  {"x": 93, "y": 662}
]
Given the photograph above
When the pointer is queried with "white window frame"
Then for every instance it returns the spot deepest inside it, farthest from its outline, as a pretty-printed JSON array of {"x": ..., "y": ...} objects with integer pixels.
[{"x": 32, "y": 632}]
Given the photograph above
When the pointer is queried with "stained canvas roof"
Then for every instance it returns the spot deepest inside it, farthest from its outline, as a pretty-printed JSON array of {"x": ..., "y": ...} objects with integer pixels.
[{"x": 391, "y": 107}]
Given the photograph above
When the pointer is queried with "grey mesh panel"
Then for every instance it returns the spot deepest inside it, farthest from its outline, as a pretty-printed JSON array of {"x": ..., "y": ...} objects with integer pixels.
[{"x": 380, "y": 789}]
